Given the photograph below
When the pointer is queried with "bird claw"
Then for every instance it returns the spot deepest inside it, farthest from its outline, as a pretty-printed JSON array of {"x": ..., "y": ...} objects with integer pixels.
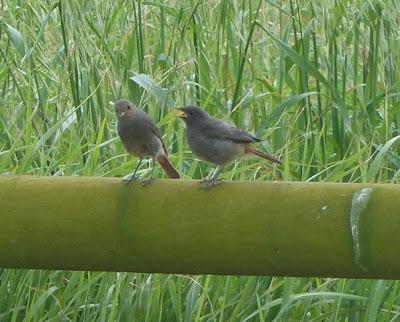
[
  {"x": 208, "y": 184},
  {"x": 130, "y": 179},
  {"x": 148, "y": 181}
]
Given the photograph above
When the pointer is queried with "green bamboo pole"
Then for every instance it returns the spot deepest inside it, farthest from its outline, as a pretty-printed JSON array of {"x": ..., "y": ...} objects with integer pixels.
[{"x": 171, "y": 226}]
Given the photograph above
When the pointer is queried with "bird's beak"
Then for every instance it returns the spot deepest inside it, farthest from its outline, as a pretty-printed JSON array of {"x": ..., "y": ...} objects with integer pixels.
[{"x": 180, "y": 113}]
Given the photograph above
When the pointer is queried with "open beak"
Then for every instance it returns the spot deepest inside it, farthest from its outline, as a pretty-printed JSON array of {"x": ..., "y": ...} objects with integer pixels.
[{"x": 180, "y": 113}]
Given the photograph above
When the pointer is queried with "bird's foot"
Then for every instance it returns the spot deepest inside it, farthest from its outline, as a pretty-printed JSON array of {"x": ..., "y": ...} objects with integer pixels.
[
  {"x": 208, "y": 184},
  {"x": 148, "y": 181},
  {"x": 130, "y": 179}
]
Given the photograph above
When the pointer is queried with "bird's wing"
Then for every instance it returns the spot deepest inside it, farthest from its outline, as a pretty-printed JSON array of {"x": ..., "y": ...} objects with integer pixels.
[
  {"x": 156, "y": 131},
  {"x": 223, "y": 130},
  {"x": 153, "y": 128}
]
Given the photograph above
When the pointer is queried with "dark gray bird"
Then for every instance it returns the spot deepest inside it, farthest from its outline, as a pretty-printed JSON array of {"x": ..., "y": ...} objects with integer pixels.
[
  {"x": 216, "y": 141},
  {"x": 142, "y": 138}
]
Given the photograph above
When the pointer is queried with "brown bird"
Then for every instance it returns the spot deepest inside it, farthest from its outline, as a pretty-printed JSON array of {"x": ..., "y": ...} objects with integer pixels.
[
  {"x": 217, "y": 141},
  {"x": 142, "y": 138}
]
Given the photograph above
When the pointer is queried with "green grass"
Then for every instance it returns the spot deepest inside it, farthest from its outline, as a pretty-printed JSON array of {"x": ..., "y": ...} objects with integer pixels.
[{"x": 319, "y": 82}]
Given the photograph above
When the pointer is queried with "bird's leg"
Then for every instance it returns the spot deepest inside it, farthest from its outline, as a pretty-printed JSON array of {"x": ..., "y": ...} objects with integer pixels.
[
  {"x": 214, "y": 181},
  {"x": 151, "y": 179},
  {"x": 212, "y": 175},
  {"x": 133, "y": 177}
]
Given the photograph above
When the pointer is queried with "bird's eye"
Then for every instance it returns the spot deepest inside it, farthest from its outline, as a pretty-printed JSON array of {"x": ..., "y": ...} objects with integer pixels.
[
  {"x": 129, "y": 107},
  {"x": 191, "y": 113}
]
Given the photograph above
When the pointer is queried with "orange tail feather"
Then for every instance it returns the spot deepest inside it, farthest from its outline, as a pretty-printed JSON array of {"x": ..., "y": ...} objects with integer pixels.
[
  {"x": 250, "y": 149},
  {"x": 167, "y": 166}
]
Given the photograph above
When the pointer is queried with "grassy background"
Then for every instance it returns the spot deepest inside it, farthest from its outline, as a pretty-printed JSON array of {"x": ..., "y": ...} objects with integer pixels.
[{"x": 319, "y": 82}]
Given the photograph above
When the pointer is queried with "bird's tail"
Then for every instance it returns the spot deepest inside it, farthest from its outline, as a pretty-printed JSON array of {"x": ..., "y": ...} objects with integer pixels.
[
  {"x": 250, "y": 149},
  {"x": 167, "y": 166}
]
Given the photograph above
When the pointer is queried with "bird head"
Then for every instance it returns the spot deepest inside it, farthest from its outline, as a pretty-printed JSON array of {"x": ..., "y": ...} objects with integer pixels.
[
  {"x": 124, "y": 109},
  {"x": 191, "y": 114}
]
